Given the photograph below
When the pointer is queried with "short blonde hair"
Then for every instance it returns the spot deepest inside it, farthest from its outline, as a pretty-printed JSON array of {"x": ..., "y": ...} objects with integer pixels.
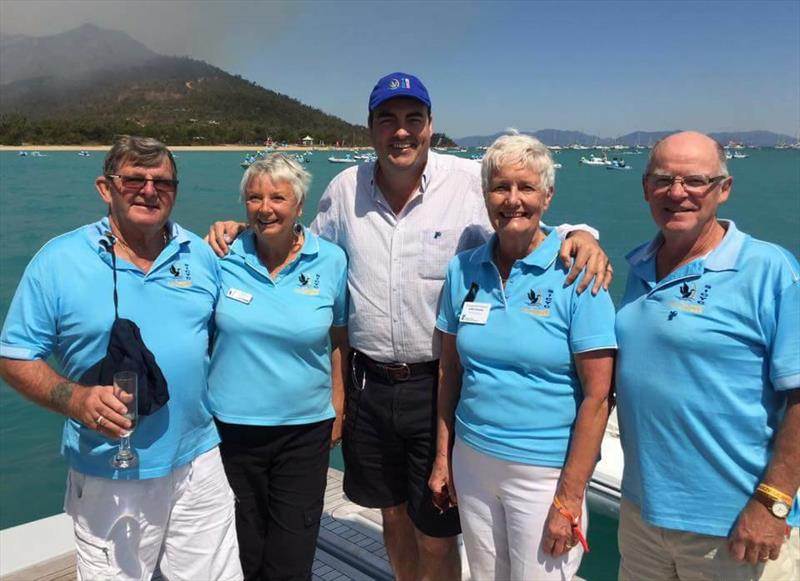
[
  {"x": 518, "y": 149},
  {"x": 278, "y": 168}
]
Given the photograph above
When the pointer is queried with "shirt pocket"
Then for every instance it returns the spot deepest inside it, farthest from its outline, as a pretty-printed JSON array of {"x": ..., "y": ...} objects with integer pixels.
[{"x": 436, "y": 249}]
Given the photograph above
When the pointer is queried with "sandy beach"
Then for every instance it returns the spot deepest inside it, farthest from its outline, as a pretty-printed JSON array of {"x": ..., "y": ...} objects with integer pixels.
[{"x": 245, "y": 148}]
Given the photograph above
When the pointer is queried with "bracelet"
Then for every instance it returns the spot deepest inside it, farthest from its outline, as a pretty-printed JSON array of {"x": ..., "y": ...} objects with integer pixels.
[
  {"x": 574, "y": 522},
  {"x": 774, "y": 494}
]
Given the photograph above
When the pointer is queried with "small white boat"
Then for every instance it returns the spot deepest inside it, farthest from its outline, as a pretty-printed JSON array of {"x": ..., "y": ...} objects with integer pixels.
[
  {"x": 37, "y": 154},
  {"x": 594, "y": 160},
  {"x": 557, "y": 165},
  {"x": 22, "y": 153},
  {"x": 739, "y": 155},
  {"x": 83, "y": 153},
  {"x": 346, "y": 159}
]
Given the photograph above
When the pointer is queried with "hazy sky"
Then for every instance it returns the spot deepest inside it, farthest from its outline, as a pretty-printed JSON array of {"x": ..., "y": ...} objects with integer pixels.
[{"x": 601, "y": 67}]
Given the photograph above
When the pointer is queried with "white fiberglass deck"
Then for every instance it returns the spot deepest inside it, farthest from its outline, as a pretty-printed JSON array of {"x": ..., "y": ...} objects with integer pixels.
[{"x": 350, "y": 544}]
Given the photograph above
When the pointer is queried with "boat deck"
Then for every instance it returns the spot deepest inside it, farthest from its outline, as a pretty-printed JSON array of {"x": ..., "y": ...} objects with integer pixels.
[{"x": 350, "y": 545}]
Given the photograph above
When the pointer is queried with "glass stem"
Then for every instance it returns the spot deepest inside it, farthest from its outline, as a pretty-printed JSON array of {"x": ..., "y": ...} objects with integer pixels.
[{"x": 125, "y": 446}]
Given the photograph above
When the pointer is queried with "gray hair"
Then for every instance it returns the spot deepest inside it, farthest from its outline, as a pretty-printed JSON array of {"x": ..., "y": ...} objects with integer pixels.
[
  {"x": 278, "y": 168},
  {"x": 723, "y": 160},
  {"x": 518, "y": 149},
  {"x": 141, "y": 151}
]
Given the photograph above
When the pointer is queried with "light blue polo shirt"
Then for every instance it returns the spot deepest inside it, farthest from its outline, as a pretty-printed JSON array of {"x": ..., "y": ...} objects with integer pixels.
[
  {"x": 271, "y": 364},
  {"x": 64, "y": 307},
  {"x": 706, "y": 356},
  {"x": 520, "y": 390}
]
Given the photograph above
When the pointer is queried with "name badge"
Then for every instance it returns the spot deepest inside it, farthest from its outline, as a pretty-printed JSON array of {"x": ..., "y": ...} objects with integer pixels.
[
  {"x": 239, "y": 295},
  {"x": 475, "y": 313}
]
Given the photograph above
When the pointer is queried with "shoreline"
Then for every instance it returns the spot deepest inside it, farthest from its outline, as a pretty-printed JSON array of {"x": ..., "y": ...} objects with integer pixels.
[{"x": 232, "y": 147}]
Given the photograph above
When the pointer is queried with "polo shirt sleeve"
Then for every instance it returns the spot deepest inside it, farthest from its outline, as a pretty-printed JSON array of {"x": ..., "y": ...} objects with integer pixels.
[
  {"x": 784, "y": 358},
  {"x": 325, "y": 222},
  {"x": 30, "y": 330},
  {"x": 592, "y": 323},
  {"x": 340, "y": 301},
  {"x": 447, "y": 321}
]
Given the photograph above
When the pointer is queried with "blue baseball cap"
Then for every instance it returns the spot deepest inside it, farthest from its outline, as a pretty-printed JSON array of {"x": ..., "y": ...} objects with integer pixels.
[{"x": 398, "y": 85}]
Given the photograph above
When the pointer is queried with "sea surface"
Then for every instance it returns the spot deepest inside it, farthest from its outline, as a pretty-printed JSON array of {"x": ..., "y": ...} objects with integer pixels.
[{"x": 41, "y": 197}]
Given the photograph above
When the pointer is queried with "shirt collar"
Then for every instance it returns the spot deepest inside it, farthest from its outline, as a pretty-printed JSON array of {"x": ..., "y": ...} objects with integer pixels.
[
  {"x": 245, "y": 245},
  {"x": 424, "y": 181},
  {"x": 724, "y": 257},
  {"x": 310, "y": 243},
  {"x": 99, "y": 231},
  {"x": 542, "y": 256}
]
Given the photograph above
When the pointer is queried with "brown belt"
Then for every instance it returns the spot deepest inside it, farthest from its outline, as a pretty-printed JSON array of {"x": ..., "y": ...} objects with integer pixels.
[{"x": 397, "y": 372}]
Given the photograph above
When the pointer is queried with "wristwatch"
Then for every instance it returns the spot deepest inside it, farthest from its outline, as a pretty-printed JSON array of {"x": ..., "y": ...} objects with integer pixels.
[{"x": 778, "y": 503}]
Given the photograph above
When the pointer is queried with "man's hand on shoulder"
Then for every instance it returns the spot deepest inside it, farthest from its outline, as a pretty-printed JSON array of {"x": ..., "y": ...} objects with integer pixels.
[
  {"x": 757, "y": 535},
  {"x": 222, "y": 234},
  {"x": 589, "y": 257}
]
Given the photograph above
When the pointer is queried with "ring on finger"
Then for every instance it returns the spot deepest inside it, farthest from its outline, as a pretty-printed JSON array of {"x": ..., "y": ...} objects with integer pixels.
[{"x": 99, "y": 421}]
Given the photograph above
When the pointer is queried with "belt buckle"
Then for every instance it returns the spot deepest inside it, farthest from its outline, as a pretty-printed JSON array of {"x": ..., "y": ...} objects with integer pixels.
[{"x": 399, "y": 371}]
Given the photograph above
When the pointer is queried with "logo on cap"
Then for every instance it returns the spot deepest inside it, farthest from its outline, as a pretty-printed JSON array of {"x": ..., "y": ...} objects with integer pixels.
[{"x": 394, "y": 84}]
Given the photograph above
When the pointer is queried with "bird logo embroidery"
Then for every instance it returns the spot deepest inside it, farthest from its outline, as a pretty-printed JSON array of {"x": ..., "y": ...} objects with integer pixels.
[{"x": 687, "y": 292}]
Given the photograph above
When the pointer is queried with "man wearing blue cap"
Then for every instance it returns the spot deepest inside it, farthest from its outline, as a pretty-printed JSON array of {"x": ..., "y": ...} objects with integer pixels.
[{"x": 400, "y": 220}]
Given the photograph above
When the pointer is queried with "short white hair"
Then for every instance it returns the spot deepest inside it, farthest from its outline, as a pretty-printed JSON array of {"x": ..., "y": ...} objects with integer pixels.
[
  {"x": 517, "y": 149},
  {"x": 278, "y": 168}
]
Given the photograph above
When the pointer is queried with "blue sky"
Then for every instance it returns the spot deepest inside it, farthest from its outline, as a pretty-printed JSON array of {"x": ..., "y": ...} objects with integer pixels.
[{"x": 601, "y": 67}]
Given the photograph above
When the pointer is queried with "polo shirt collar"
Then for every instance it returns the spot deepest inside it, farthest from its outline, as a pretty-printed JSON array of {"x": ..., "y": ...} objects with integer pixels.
[
  {"x": 310, "y": 243},
  {"x": 724, "y": 257},
  {"x": 542, "y": 257},
  {"x": 246, "y": 248},
  {"x": 99, "y": 230}
]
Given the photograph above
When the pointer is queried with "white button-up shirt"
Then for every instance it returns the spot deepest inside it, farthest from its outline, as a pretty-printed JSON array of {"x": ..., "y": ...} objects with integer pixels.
[{"x": 397, "y": 262}]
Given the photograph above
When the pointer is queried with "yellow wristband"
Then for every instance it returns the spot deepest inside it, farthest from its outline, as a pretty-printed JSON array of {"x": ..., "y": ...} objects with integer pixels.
[{"x": 774, "y": 494}]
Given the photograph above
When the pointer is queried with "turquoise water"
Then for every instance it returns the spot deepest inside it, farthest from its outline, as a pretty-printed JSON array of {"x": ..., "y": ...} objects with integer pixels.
[{"x": 43, "y": 197}]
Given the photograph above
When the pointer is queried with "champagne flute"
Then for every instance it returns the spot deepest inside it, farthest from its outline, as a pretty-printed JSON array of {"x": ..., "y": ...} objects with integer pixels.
[{"x": 127, "y": 382}]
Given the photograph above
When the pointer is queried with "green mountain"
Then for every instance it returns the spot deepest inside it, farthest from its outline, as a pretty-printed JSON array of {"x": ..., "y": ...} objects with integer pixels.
[{"x": 179, "y": 100}]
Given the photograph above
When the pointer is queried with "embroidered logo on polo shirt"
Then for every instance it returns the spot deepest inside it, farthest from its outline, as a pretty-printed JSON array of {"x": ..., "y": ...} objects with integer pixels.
[
  {"x": 307, "y": 284},
  {"x": 540, "y": 302},
  {"x": 691, "y": 299},
  {"x": 181, "y": 275}
]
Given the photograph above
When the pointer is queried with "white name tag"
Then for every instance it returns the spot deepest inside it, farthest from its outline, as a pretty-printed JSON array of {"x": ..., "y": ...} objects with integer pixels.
[
  {"x": 239, "y": 295},
  {"x": 475, "y": 313}
]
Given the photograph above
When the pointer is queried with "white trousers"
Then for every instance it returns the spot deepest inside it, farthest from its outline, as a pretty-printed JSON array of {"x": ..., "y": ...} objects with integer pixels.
[
  {"x": 182, "y": 524},
  {"x": 503, "y": 507}
]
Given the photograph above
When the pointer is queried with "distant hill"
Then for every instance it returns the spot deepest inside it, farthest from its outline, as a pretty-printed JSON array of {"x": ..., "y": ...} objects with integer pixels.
[
  {"x": 561, "y": 137},
  {"x": 108, "y": 83},
  {"x": 71, "y": 54},
  {"x": 442, "y": 140}
]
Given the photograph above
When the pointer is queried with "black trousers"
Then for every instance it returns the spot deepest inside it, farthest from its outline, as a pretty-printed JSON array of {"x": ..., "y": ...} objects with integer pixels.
[{"x": 278, "y": 474}]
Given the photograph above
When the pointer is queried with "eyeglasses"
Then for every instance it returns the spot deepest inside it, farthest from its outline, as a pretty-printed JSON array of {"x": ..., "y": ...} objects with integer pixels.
[
  {"x": 697, "y": 184},
  {"x": 135, "y": 184}
]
